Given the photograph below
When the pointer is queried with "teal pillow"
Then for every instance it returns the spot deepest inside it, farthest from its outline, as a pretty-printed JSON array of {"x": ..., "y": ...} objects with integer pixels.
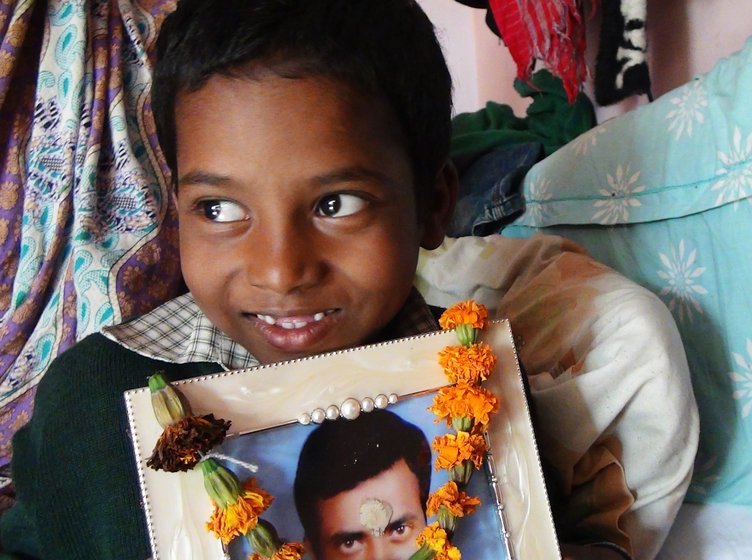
[{"x": 663, "y": 194}]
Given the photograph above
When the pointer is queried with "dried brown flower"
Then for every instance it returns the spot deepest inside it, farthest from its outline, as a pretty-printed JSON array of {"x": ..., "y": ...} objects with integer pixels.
[{"x": 182, "y": 444}]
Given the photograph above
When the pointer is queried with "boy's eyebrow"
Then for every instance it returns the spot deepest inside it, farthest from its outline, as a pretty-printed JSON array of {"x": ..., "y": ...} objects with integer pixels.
[
  {"x": 352, "y": 174},
  {"x": 203, "y": 178},
  {"x": 343, "y": 175}
]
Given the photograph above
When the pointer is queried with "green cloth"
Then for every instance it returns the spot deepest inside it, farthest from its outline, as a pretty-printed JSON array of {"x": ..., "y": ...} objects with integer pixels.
[
  {"x": 67, "y": 510},
  {"x": 551, "y": 120}
]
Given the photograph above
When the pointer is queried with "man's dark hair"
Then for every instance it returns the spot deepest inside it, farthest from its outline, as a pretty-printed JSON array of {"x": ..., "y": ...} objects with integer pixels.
[
  {"x": 386, "y": 49},
  {"x": 341, "y": 454}
]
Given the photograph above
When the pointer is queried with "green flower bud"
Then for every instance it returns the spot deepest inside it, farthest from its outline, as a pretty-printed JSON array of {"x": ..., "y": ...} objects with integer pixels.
[
  {"x": 423, "y": 553},
  {"x": 462, "y": 423},
  {"x": 221, "y": 484},
  {"x": 461, "y": 473},
  {"x": 447, "y": 521},
  {"x": 466, "y": 334},
  {"x": 166, "y": 402},
  {"x": 263, "y": 539}
]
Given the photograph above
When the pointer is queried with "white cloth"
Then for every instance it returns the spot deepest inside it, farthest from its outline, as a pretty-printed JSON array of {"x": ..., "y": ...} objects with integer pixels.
[{"x": 608, "y": 374}]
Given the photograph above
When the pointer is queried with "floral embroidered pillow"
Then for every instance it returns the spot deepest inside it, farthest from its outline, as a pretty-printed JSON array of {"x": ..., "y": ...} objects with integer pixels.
[
  {"x": 686, "y": 152},
  {"x": 672, "y": 181}
]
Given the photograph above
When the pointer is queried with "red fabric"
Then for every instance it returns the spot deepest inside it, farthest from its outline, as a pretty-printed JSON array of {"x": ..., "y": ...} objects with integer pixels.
[{"x": 552, "y": 31}]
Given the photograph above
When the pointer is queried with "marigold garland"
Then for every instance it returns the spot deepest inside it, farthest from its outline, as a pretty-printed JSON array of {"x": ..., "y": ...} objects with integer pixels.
[
  {"x": 436, "y": 540},
  {"x": 465, "y": 401},
  {"x": 466, "y": 407},
  {"x": 237, "y": 508},
  {"x": 453, "y": 500},
  {"x": 464, "y": 313},
  {"x": 241, "y": 516},
  {"x": 288, "y": 551},
  {"x": 453, "y": 450},
  {"x": 467, "y": 364}
]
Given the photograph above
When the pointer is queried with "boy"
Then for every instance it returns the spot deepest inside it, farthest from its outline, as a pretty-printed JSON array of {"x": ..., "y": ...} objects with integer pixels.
[
  {"x": 362, "y": 486},
  {"x": 308, "y": 143}
]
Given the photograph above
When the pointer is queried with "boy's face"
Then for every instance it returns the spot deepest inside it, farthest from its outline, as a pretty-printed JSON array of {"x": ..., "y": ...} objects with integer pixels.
[{"x": 298, "y": 225}]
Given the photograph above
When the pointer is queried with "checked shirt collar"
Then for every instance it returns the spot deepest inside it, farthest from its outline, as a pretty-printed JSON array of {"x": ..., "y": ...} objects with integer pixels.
[{"x": 179, "y": 332}]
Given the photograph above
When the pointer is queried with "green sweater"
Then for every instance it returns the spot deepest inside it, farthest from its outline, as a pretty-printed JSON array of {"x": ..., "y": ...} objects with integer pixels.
[{"x": 73, "y": 465}]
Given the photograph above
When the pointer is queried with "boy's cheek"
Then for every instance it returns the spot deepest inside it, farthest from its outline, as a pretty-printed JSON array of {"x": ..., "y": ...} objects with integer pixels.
[{"x": 372, "y": 270}]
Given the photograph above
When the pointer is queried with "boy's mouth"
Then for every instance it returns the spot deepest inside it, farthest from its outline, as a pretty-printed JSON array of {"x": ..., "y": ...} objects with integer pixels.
[
  {"x": 295, "y": 333},
  {"x": 292, "y": 322}
]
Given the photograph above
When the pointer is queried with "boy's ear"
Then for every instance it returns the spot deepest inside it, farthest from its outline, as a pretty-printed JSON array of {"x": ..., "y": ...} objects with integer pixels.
[{"x": 439, "y": 201}]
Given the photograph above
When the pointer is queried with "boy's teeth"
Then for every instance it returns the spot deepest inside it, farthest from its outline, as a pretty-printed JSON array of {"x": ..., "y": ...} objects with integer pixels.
[{"x": 286, "y": 323}]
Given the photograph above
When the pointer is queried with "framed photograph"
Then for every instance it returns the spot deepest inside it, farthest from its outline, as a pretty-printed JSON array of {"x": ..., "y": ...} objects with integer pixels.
[{"x": 271, "y": 409}]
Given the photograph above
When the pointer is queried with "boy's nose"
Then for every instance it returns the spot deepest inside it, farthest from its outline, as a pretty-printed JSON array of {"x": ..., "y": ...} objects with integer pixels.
[{"x": 284, "y": 261}]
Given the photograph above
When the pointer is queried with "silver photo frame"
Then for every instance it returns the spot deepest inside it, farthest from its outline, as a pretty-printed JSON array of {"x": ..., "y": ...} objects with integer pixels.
[{"x": 282, "y": 404}]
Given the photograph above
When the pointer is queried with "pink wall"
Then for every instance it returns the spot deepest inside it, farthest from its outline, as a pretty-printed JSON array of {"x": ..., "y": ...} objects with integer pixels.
[
  {"x": 685, "y": 38},
  {"x": 481, "y": 66}
]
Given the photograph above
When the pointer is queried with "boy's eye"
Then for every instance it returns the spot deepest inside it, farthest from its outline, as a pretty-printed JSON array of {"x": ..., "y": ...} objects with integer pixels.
[
  {"x": 222, "y": 211},
  {"x": 340, "y": 205}
]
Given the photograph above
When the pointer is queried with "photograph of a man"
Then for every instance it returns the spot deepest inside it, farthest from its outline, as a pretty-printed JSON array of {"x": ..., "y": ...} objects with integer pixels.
[{"x": 361, "y": 487}]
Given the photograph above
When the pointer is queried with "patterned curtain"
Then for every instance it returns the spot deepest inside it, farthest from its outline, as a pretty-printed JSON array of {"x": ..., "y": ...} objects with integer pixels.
[{"x": 87, "y": 226}]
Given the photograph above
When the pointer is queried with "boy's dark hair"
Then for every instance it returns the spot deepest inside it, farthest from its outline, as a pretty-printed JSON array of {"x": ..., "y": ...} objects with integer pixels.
[
  {"x": 341, "y": 454},
  {"x": 382, "y": 48}
]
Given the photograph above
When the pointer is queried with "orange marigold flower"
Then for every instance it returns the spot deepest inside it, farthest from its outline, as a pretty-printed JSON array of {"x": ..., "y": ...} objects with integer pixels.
[
  {"x": 449, "y": 553},
  {"x": 288, "y": 551},
  {"x": 467, "y": 364},
  {"x": 242, "y": 516},
  {"x": 433, "y": 536},
  {"x": 436, "y": 538},
  {"x": 464, "y": 313},
  {"x": 464, "y": 401},
  {"x": 456, "y": 502},
  {"x": 453, "y": 449}
]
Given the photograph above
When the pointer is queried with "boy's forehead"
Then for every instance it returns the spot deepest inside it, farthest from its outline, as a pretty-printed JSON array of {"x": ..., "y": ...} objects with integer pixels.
[
  {"x": 311, "y": 120},
  {"x": 288, "y": 97}
]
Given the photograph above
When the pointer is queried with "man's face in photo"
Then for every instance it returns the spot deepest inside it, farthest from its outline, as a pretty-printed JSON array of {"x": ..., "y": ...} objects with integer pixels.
[{"x": 343, "y": 536}]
